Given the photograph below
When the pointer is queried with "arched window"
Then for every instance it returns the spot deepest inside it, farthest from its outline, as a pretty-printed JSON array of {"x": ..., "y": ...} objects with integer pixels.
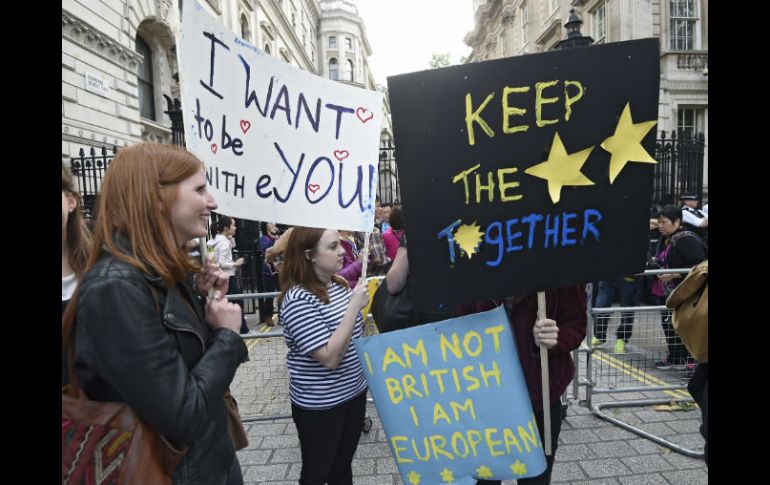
[
  {"x": 245, "y": 31},
  {"x": 267, "y": 49},
  {"x": 350, "y": 70},
  {"x": 144, "y": 80},
  {"x": 333, "y": 69}
]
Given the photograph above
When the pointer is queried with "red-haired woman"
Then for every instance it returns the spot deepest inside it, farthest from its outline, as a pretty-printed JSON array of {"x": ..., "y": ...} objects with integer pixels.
[
  {"x": 320, "y": 317},
  {"x": 142, "y": 334}
]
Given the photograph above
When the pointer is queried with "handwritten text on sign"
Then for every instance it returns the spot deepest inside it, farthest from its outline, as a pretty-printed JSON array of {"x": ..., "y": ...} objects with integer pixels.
[
  {"x": 279, "y": 144},
  {"x": 453, "y": 400}
]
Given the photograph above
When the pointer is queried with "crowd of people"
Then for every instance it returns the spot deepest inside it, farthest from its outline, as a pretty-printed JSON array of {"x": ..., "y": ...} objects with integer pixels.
[{"x": 145, "y": 323}]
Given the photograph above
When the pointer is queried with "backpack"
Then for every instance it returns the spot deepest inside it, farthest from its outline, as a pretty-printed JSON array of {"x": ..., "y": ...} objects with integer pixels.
[{"x": 690, "y": 302}]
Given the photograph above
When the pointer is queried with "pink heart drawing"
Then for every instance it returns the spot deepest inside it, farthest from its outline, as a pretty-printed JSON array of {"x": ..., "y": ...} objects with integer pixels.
[
  {"x": 245, "y": 125},
  {"x": 214, "y": 147},
  {"x": 314, "y": 187},
  {"x": 341, "y": 154},
  {"x": 364, "y": 114}
]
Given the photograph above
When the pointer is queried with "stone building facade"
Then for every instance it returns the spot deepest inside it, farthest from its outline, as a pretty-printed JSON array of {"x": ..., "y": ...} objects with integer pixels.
[
  {"x": 119, "y": 67},
  {"x": 504, "y": 28}
]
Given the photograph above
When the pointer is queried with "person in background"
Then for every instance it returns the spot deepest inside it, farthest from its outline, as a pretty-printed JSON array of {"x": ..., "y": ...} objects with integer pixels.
[
  {"x": 561, "y": 332},
  {"x": 142, "y": 334},
  {"x": 353, "y": 259},
  {"x": 379, "y": 262},
  {"x": 321, "y": 316},
  {"x": 694, "y": 219},
  {"x": 392, "y": 237},
  {"x": 269, "y": 273},
  {"x": 385, "y": 216},
  {"x": 222, "y": 248},
  {"x": 623, "y": 289},
  {"x": 677, "y": 248},
  {"x": 75, "y": 245}
]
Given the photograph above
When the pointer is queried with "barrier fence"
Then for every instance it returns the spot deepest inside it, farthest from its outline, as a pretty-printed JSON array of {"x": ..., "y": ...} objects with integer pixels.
[{"x": 604, "y": 379}]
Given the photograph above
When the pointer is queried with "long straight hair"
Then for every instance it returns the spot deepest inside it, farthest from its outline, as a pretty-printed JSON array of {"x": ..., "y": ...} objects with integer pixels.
[
  {"x": 138, "y": 191},
  {"x": 298, "y": 270},
  {"x": 78, "y": 234}
]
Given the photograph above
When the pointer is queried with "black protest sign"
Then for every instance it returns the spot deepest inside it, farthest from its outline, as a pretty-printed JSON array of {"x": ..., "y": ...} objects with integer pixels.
[{"x": 527, "y": 173}]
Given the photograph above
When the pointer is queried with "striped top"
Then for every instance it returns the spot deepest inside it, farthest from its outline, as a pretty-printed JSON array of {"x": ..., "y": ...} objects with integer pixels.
[{"x": 308, "y": 325}]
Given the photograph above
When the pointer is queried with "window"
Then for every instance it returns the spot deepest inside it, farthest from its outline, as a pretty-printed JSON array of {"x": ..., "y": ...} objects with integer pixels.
[
  {"x": 690, "y": 121},
  {"x": 267, "y": 49},
  {"x": 332, "y": 41},
  {"x": 350, "y": 70},
  {"x": 598, "y": 25},
  {"x": 333, "y": 69},
  {"x": 245, "y": 31},
  {"x": 683, "y": 25},
  {"x": 349, "y": 43},
  {"x": 503, "y": 43},
  {"x": 144, "y": 79},
  {"x": 294, "y": 20}
]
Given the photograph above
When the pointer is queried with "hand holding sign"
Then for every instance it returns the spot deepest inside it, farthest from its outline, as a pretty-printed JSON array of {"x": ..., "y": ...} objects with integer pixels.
[{"x": 439, "y": 388}]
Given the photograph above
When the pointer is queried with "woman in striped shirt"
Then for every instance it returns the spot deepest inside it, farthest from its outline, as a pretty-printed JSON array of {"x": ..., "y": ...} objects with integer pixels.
[{"x": 320, "y": 317}]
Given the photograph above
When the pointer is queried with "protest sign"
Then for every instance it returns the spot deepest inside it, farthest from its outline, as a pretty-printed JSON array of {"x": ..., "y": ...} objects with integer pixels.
[
  {"x": 529, "y": 172},
  {"x": 280, "y": 144},
  {"x": 453, "y": 400}
]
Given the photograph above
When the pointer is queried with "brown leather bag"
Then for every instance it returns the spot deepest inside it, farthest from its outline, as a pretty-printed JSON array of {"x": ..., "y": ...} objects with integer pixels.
[
  {"x": 107, "y": 442},
  {"x": 234, "y": 424},
  {"x": 690, "y": 302},
  {"x": 111, "y": 443}
]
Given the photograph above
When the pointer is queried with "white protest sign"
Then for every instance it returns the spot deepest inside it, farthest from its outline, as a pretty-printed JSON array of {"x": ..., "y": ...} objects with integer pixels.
[{"x": 280, "y": 144}]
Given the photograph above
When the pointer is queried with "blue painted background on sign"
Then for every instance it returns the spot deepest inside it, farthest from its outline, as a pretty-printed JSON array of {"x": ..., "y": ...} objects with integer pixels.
[{"x": 453, "y": 401}]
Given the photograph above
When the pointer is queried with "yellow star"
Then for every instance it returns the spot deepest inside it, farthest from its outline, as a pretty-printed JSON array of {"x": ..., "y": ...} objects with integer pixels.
[
  {"x": 414, "y": 477},
  {"x": 626, "y": 144},
  {"x": 468, "y": 237},
  {"x": 447, "y": 476},
  {"x": 519, "y": 468},
  {"x": 483, "y": 472},
  {"x": 561, "y": 168}
]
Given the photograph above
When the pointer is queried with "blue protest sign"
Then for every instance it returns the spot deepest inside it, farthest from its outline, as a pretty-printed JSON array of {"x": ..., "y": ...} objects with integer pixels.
[{"x": 453, "y": 401}]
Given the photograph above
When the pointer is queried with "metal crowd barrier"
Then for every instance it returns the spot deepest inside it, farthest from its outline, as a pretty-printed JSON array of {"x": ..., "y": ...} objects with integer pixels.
[
  {"x": 261, "y": 385},
  {"x": 633, "y": 373}
]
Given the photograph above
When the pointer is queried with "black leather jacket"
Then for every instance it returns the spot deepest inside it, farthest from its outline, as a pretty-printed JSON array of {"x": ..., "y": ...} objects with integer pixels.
[{"x": 170, "y": 367}]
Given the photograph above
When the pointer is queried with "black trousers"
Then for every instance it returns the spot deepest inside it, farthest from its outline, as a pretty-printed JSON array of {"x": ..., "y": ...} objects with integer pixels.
[
  {"x": 677, "y": 352},
  {"x": 699, "y": 390},
  {"x": 328, "y": 440},
  {"x": 545, "y": 477},
  {"x": 233, "y": 289},
  {"x": 269, "y": 283}
]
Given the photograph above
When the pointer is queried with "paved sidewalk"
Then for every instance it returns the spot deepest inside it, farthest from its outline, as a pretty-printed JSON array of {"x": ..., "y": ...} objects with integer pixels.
[{"x": 591, "y": 450}]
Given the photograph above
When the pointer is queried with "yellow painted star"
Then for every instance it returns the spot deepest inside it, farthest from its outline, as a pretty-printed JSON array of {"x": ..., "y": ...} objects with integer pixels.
[
  {"x": 447, "y": 476},
  {"x": 483, "y": 472},
  {"x": 626, "y": 144},
  {"x": 561, "y": 168},
  {"x": 468, "y": 237},
  {"x": 414, "y": 477},
  {"x": 519, "y": 468}
]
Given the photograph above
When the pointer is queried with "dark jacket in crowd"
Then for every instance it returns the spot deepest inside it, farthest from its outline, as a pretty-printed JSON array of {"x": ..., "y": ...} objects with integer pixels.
[
  {"x": 161, "y": 357},
  {"x": 567, "y": 306}
]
